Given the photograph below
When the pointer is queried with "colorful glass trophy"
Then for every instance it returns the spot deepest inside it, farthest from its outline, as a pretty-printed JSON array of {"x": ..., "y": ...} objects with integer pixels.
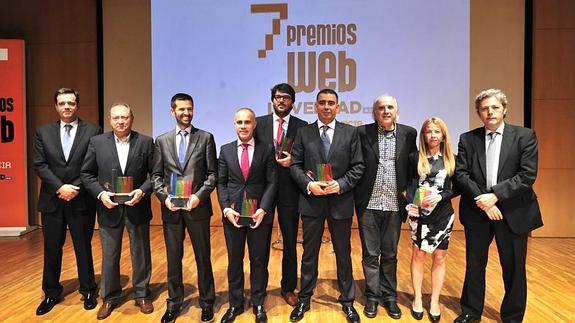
[
  {"x": 122, "y": 187},
  {"x": 246, "y": 208},
  {"x": 180, "y": 191},
  {"x": 285, "y": 144},
  {"x": 420, "y": 193},
  {"x": 324, "y": 173}
]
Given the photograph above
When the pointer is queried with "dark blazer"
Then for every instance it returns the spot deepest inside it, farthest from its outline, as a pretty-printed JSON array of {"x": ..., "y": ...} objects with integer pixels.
[
  {"x": 346, "y": 159},
  {"x": 201, "y": 165},
  {"x": 265, "y": 133},
  {"x": 261, "y": 182},
  {"x": 101, "y": 158},
  {"x": 404, "y": 145},
  {"x": 515, "y": 177},
  {"x": 55, "y": 171}
]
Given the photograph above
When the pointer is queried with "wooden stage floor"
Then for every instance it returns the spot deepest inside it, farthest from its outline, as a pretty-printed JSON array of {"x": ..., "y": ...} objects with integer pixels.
[{"x": 550, "y": 270}]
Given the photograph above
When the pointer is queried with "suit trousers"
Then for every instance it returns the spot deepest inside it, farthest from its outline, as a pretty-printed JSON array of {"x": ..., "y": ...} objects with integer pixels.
[
  {"x": 379, "y": 232},
  {"x": 288, "y": 219},
  {"x": 111, "y": 239},
  {"x": 512, "y": 249},
  {"x": 258, "y": 241},
  {"x": 174, "y": 235},
  {"x": 81, "y": 225},
  {"x": 340, "y": 230}
]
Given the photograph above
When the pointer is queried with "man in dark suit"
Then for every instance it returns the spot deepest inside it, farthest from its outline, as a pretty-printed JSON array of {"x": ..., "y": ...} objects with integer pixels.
[
  {"x": 59, "y": 150},
  {"x": 275, "y": 128},
  {"x": 326, "y": 141},
  {"x": 495, "y": 170},
  {"x": 122, "y": 153},
  {"x": 247, "y": 170},
  {"x": 191, "y": 153},
  {"x": 380, "y": 202}
]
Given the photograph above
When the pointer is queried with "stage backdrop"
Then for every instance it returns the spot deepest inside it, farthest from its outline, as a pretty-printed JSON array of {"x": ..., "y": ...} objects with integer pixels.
[
  {"x": 13, "y": 171},
  {"x": 228, "y": 54}
]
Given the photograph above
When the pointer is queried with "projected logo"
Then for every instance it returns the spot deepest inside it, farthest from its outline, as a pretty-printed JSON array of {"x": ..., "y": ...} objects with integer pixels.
[{"x": 310, "y": 67}]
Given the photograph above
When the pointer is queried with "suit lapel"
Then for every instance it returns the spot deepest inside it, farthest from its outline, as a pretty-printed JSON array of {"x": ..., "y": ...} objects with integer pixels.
[
  {"x": 79, "y": 133},
  {"x": 114, "y": 152},
  {"x": 268, "y": 125},
  {"x": 372, "y": 137},
  {"x": 174, "y": 150},
  {"x": 55, "y": 134},
  {"x": 479, "y": 146},
  {"x": 506, "y": 143},
  {"x": 191, "y": 145},
  {"x": 131, "y": 150},
  {"x": 256, "y": 159},
  {"x": 399, "y": 142},
  {"x": 316, "y": 139},
  {"x": 234, "y": 161}
]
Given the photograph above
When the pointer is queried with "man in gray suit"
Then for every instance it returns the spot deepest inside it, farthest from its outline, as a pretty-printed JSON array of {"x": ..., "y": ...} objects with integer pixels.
[
  {"x": 186, "y": 152},
  {"x": 126, "y": 153}
]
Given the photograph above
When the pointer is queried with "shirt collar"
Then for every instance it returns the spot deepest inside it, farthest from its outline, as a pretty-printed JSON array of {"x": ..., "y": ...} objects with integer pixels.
[
  {"x": 331, "y": 125},
  {"x": 74, "y": 123},
  {"x": 125, "y": 140},
  {"x": 188, "y": 129},
  {"x": 276, "y": 117},
  {"x": 499, "y": 130},
  {"x": 251, "y": 142}
]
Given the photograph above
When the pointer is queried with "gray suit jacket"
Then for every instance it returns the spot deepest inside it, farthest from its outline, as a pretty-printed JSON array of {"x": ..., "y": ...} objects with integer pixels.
[{"x": 200, "y": 165}]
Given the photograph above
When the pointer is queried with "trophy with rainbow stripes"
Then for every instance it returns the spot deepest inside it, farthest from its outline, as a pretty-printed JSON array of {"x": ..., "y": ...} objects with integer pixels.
[
  {"x": 323, "y": 173},
  {"x": 180, "y": 190},
  {"x": 285, "y": 144},
  {"x": 122, "y": 186},
  {"x": 246, "y": 208}
]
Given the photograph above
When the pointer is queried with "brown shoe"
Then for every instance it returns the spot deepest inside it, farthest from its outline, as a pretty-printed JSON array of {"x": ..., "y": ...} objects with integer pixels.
[
  {"x": 105, "y": 310},
  {"x": 145, "y": 306},
  {"x": 290, "y": 298}
]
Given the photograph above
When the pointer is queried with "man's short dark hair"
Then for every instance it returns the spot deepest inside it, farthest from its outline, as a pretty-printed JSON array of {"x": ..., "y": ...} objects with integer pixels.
[
  {"x": 180, "y": 97},
  {"x": 66, "y": 90},
  {"x": 327, "y": 91},
  {"x": 284, "y": 87}
]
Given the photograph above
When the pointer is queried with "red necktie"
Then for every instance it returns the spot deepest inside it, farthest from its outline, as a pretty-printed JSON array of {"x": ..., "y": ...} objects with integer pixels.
[
  {"x": 280, "y": 133},
  {"x": 245, "y": 162}
]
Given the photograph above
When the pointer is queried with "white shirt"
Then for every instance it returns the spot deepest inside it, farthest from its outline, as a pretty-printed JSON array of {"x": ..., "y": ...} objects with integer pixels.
[
  {"x": 330, "y": 131},
  {"x": 251, "y": 146},
  {"x": 123, "y": 148},
  {"x": 497, "y": 150}
]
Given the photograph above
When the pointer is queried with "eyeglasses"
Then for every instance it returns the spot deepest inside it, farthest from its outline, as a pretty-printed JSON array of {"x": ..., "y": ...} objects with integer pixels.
[{"x": 282, "y": 97}]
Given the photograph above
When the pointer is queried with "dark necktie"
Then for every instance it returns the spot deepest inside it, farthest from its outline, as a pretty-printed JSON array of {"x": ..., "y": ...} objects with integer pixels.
[
  {"x": 67, "y": 141},
  {"x": 491, "y": 162},
  {"x": 182, "y": 148},
  {"x": 245, "y": 161},
  {"x": 325, "y": 139},
  {"x": 280, "y": 133}
]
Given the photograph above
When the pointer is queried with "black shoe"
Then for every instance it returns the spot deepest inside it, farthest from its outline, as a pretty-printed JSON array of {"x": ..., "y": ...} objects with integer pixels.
[
  {"x": 170, "y": 316},
  {"x": 370, "y": 309},
  {"x": 47, "y": 305},
  {"x": 298, "y": 311},
  {"x": 231, "y": 314},
  {"x": 207, "y": 315},
  {"x": 260, "y": 313},
  {"x": 434, "y": 318},
  {"x": 351, "y": 314},
  {"x": 392, "y": 310},
  {"x": 416, "y": 315},
  {"x": 90, "y": 301},
  {"x": 466, "y": 318}
]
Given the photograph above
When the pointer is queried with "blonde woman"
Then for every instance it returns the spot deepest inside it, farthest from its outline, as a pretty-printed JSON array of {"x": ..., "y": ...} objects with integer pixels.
[{"x": 431, "y": 220}]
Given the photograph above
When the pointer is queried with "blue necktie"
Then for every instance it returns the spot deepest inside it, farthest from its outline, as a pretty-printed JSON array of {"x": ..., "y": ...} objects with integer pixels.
[
  {"x": 325, "y": 139},
  {"x": 67, "y": 141},
  {"x": 182, "y": 148}
]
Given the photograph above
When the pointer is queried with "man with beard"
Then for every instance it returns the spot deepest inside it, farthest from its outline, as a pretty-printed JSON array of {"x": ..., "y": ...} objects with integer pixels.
[
  {"x": 189, "y": 153},
  {"x": 276, "y": 128}
]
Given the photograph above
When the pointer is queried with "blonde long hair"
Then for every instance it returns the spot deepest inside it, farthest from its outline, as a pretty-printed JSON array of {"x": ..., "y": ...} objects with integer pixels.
[{"x": 423, "y": 167}]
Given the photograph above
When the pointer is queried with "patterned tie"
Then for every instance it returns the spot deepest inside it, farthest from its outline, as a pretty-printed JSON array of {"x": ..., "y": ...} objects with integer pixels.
[
  {"x": 280, "y": 133},
  {"x": 182, "y": 148},
  {"x": 245, "y": 162},
  {"x": 325, "y": 139},
  {"x": 491, "y": 162},
  {"x": 67, "y": 141}
]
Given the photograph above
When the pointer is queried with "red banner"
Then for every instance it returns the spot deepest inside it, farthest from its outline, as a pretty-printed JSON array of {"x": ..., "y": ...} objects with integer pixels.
[{"x": 13, "y": 170}]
